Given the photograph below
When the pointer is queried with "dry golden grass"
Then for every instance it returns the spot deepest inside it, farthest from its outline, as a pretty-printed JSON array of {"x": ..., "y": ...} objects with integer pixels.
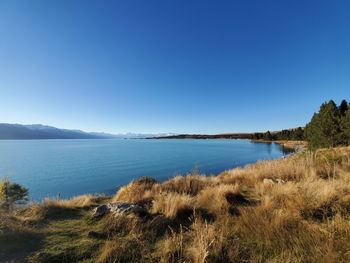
[
  {"x": 135, "y": 191},
  {"x": 204, "y": 236},
  {"x": 301, "y": 213},
  {"x": 78, "y": 201},
  {"x": 172, "y": 203},
  {"x": 56, "y": 207},
  {"x": 171, "y": 247},
  {"x": 128, "y": 249},
  {"x": 190, "y": 184},
  {"x": 215, "y": 199},
  {"x": 294, "y": 209}
]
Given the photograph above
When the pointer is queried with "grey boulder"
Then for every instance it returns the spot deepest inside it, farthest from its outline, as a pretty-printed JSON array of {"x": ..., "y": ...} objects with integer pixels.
[
  {"x": 100, "y": 210},
  {"x": 119, "y": 208},
  {"x": 270, "y": 181}
]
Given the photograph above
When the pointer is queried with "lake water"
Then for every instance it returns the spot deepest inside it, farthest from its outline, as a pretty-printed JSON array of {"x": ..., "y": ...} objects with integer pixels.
[{"x": 71, "y": 167}]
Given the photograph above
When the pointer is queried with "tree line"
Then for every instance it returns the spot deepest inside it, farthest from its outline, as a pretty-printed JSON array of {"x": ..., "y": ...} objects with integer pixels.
[
  {"x": 291, "y": 135},
  {"x": 329, "y": 127}
]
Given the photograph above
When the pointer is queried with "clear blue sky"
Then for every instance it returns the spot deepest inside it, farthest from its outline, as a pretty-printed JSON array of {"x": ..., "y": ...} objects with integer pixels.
[{"x": 172, "y": 66}]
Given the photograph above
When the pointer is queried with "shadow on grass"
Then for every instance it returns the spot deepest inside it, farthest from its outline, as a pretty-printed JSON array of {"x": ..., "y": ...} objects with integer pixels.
[
  {"x": 17, "y": 243},
  {"x": 54, "y": 213}
]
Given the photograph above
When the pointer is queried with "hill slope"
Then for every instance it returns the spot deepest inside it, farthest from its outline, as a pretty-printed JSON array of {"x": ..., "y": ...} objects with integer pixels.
[{"x": 38, "y": 131}]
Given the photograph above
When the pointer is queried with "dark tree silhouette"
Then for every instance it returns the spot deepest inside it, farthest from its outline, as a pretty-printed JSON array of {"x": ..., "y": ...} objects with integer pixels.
[
  {"x": 343, "y": 107},
  {"x": 10, "y": 193}
]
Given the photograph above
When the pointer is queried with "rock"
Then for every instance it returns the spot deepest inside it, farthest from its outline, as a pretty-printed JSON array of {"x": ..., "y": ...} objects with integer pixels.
[
  {"x": 273, "y": 181},
  {"x": 280, "y": 181},
  {"x": 126, "y": 208},
  {"x": 118, "y": 209},
  {"x": 101, "y": 210},
  {"x": 268, "y": 181}
]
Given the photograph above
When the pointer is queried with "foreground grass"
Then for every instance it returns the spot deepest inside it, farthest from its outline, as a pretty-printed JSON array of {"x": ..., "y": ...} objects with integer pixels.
[
  {"x": 295, "y": 209},
  {"x": 53, "y": 231}
]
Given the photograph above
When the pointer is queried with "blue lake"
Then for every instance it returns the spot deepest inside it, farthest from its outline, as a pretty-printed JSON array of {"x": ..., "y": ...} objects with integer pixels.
[{"x": 71, "y": 167}]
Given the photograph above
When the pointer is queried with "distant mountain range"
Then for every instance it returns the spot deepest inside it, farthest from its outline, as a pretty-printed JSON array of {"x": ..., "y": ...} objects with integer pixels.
[{"x": 38, "y": 131}]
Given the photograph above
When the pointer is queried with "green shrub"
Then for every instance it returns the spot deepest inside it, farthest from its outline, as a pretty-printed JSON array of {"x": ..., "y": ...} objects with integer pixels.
[{"x": 10, "y": 193}]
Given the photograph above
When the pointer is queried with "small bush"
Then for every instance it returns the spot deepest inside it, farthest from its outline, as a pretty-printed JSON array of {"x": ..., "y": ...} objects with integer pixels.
[{"x": 10, "y": 193}]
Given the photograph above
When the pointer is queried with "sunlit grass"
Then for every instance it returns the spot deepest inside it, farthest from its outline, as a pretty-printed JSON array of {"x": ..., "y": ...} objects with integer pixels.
[{"x": 299, "y": 213}]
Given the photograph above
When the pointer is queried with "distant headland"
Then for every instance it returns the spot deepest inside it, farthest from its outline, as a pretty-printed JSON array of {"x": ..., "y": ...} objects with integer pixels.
[
  {"x": 10, "y": 131},
  {"x": 288, "y": 134}
]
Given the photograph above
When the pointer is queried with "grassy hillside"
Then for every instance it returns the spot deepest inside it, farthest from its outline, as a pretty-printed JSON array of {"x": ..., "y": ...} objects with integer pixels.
[
  {"x": 37, "y": 131},
  {"x": 295, "y": 209}
]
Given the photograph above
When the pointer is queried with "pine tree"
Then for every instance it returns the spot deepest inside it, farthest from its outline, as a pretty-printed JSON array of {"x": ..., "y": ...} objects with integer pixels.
[
  {"x": 345, "y": 127},
  {"x": 268, "y": 136},
  {"x": 299, "y": 134},
  {"x": 343, "y": 107},
  {"x": 324, "y": 128}
]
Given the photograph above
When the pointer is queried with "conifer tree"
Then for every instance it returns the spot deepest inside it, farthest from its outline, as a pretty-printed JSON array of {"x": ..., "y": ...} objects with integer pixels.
[
  {"x": 345, "y": 127},
  {"x": 298, "y": 134},
  {"x": 324, "y": 128},
  {"x": 343, "y": 107},
  {"x": 268, "y": 136}
]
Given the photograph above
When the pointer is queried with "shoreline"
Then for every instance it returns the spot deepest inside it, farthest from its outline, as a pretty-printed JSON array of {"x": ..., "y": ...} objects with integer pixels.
[
  {"x": 297, "y": 146},
  {"x": 294, "y": 146},
  {"x": 232, "y": 211},
  {"x": 228, "y": 152}
]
